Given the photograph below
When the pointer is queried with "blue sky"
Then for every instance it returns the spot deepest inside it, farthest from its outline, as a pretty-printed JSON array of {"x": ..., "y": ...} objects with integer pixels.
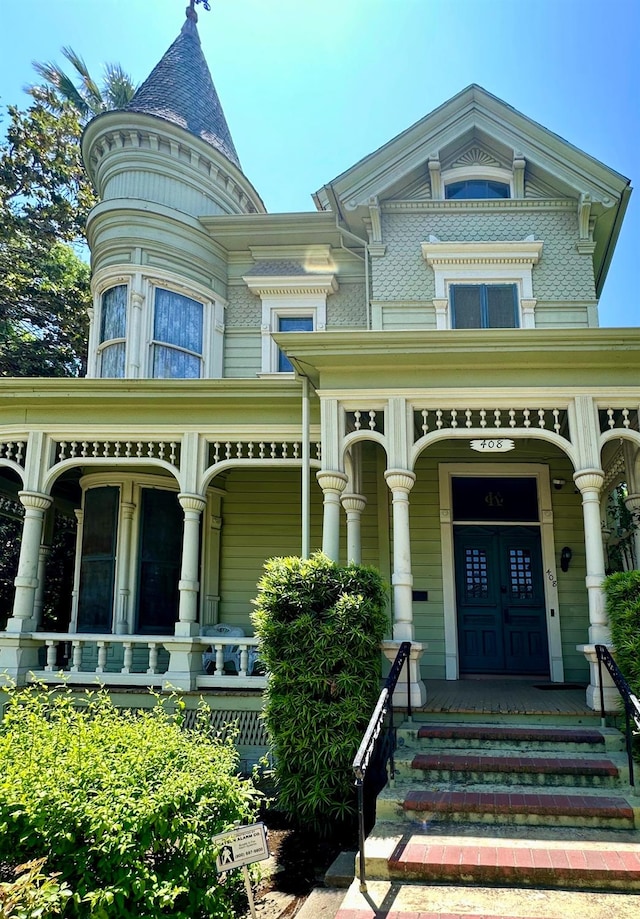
[{"x": 311, "y": 86}]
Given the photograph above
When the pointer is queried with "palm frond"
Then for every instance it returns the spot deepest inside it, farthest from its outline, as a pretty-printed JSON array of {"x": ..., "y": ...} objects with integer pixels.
[{"x": 92, "y": 94}]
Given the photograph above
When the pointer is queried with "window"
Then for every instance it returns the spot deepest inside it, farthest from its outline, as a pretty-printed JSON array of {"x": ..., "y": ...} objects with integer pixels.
[
  {"x": 113, "y": 330},
  {"x": 477, "y": 188},
  {"x": 291, "y": 324},
  {"x": 484, "y": 306},
  {"x": 176, "y": 349}
]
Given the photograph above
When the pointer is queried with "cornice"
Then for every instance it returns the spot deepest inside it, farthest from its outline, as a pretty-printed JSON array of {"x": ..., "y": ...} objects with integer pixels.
[
  {"x": 517, "y": 252},
  {"x": 503, "y": 204},
  {"x": 285, "y": 285}
]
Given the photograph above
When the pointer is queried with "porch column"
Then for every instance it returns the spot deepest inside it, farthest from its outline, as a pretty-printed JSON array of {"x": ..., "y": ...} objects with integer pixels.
[
  {"x": 332, "y": 485},
  {"x": 189, "y": 585},
  {"x": 127, "y": 510},
  {"x": 75, "y": 593},
  {"x": 589, "y": 482},
  {"x": 38, "y": 603},
  {"x": 26, "y": 583},
  {"x": 354, "y": 506},
  {"x": 401, "y": 481},
  {"x": 632, "y": 503}
]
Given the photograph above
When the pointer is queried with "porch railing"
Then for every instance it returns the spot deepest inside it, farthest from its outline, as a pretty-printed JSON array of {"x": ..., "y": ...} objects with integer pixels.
[
  {"x": 629, "y": 701},
  {"x": 145, "y": 660},
  {"x": 379, "y": 742}
]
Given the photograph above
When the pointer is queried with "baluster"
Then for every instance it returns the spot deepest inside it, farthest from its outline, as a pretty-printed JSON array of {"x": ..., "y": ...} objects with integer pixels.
[
  {"x": 296, "y": 450},
  {"x": 239, "y": 450},
  {"x": 319, "y": 450},
  {"x": 497, "y": 414},
  {"x": 356, "y": 423},
  {"x": 52, "y": 647},
  {"x": 372, "y": 420},
  {"x": 541, "y": 422},
  {"x": 512, "y": 418},
  {"x": 261, "y": 448},
  {"x": 150, "y": 448},
  {"x": 153, "y": 656},
  {"x": 20, "y": 453},
  {"x": 96, "y": 448},
  {"x": 526, "y": 422},
  {"x": 162, "y": 447},
  {"x": 128, "y": 446},
  {"x": 285, "y": 448},
  {"x": 219, "y": 649},
  {"x": 116, "y": 450},
  {"x": 250, "y": 449},
  {"x": 274, "y": 453},
  {"x": 102, "y": 656},
  {"x": 77, "y": 656},
  {"x": 85, "y": 447},
  {"x": 611, "y": 422},
  {"x": 244, "y": 660},
  {"x": 556, "y": 420},
  {"x": 216, "y": 451},
  {"x": 454, "y": 418},
  {"x": 625, "y": 417},
  {"x": 61, "y": 454},
  {"x": 139, "y": 448},
  {"x": 439, "y": 419},
  {"x": 483, "y": 418},
  {"x": 128, "y": 657},
  {"x": 173, "y": 454},
  {"x": 425, "y": 421},
  {"x": 469, "y": 422}
]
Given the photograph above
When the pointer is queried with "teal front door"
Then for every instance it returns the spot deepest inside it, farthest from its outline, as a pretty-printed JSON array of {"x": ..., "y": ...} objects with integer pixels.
[{"x": 500, "y": 600}]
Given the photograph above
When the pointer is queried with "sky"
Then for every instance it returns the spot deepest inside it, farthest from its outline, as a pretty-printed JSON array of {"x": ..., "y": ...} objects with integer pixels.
[{"x": 309, "y": 87}]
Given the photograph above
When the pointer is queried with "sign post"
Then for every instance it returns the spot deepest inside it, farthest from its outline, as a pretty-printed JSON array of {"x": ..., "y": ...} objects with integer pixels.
[{"x": 240, "y": 847}]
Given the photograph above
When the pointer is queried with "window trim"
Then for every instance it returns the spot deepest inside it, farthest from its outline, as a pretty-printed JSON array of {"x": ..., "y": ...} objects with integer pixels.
[
  {"x": 508, "y": 262},
  {"x": 483, "y": 285},
  {"x": 490, "y": 173},
  {"x": 103, "y": 345},
  {"x": 154, "y": 286}
]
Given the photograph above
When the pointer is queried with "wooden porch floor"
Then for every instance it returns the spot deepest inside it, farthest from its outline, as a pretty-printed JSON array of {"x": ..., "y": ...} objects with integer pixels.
[{"x": 504, "y": 697}]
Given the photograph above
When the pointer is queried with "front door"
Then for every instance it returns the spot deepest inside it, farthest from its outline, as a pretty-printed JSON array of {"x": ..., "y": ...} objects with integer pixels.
[{"x": 500, "y": 600}]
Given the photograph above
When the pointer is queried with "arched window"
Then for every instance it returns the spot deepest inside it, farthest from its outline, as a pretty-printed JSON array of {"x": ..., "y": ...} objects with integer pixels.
[
  {"x": 477, "y": 188},
  {"x": 113, "y": 330}
]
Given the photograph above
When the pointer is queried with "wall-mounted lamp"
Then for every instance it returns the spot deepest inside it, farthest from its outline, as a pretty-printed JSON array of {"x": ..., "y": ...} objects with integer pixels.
[
  {"x": 558, "y": 483},
  {"x": 565, "y": 557}
]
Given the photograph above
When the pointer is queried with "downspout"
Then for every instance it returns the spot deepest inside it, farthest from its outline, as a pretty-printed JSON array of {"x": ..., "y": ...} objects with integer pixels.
[
  {"x": 365, "y": 258},
  {"x": 306, "y": 471}
]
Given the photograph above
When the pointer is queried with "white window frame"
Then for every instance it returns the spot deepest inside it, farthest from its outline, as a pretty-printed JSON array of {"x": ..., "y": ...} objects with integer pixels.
[
  {"x": 508, "y": 262},
  {"x": 490, "y": 173},
  {"x": 291, "y": 297}
]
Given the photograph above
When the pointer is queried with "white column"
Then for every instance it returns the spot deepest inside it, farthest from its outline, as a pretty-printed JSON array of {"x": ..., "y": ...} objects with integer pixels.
[
  {"x": 127, "y": 510},
  {"x": 354, "y": 506},
  {"x": 26, "y": 582},
  {"x": 189, "y": 585},
  {"x": 134, "y": 336},
  {"x": 38, "y": 602},
  {"x": 632, "y": 503},
  {"x": 589, "y": 482},
  {"x": 75, "y": 593},
  {"x": 401, "y": 481},
  {"x": 332, "y": 485}
]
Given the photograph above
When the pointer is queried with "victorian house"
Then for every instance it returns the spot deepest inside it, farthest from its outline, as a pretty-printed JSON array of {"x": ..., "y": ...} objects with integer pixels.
[{"x": 411, "y": 376}]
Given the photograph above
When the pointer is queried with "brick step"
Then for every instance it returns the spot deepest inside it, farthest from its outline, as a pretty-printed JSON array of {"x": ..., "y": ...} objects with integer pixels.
[
  {"x": 613, "y": 866},
  {"x": 515, "y": 806},
  {"x": 513, "y": 769},
  {"x": 523, "y": 737}
]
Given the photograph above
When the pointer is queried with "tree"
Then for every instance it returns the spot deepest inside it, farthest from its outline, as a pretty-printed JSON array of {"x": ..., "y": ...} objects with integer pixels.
[
  {"x": 87, "y": 97},
  {"x": 45, "y": 197}
]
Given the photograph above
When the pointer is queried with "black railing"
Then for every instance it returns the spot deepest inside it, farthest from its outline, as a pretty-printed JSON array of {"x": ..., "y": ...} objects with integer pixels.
[
  {"x": 630, "y": 702},
  {"x": 379, "y": 742}
]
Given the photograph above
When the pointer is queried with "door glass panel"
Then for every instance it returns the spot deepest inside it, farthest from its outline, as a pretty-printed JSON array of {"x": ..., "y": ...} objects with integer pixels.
[
  {"x": 494, "y": 499},
  {"x": 160, "y": 559},
  {"x": 97, "y": 569},
  {"x": 520, "y": 574},
  {"x": 476, "y": 578}
]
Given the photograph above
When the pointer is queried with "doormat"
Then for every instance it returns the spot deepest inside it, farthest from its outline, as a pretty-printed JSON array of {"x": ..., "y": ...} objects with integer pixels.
[{"x": 557, "y": 686}]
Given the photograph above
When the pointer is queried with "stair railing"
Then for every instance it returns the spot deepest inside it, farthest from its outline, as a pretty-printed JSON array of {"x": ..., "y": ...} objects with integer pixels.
[
  {"x": 380, "y": 739},
  {"x": 630, "y": 701}
]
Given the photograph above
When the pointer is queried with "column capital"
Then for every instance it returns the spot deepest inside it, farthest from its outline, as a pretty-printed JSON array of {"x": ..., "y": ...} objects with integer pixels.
[
  {"x": 189, "y": 502},
  {"x": 332, "y": 481},
  {"x": 589, "y": 479},
  {"x": 35, "y": 500},
  {"x": 632, "y": 503},
  {"x": 352, "y": 502},
  {"x": 400, "y": 479}
]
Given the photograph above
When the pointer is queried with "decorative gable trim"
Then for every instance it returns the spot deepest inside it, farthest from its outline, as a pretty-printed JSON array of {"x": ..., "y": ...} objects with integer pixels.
[{"x": 475, "y": 156}]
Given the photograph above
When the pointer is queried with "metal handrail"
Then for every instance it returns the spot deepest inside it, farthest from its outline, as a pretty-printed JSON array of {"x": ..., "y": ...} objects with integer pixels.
[
  {"x": 631, "y": 703},
  {"x": 369, "y": 743}
]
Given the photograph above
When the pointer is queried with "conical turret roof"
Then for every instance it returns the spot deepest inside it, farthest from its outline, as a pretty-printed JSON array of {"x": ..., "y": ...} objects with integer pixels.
[{"x": 180, "y": 90}]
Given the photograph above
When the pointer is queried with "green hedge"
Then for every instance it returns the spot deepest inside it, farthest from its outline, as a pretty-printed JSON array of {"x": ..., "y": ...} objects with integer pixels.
[
  {"x": 122, "y": 805},
  {"x": 320, "y": 627},
  {"x": 622, "y": 591}
]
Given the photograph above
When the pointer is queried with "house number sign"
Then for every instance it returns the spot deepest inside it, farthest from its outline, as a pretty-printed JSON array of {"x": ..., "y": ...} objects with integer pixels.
[{"x": 493, "y": 445}]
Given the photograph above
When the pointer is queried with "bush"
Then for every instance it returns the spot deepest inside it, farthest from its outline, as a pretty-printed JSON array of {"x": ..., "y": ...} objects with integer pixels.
[
  {"x": 320, "y": 627},
  {"x": 33, "y": 894},
  {"x": 122, "y": 805},
  {"x": 622, "y": 591}
]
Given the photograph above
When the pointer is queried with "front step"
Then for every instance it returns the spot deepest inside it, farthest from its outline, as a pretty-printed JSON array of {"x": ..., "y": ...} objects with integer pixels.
[{"x": 452, "y": 779}]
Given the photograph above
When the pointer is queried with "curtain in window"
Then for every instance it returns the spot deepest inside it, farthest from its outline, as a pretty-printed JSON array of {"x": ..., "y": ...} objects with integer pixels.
[
  {"x": 112, "y": 360},
  {"x": 114, "y": 313},
  {"x": 177, "y": 324}
]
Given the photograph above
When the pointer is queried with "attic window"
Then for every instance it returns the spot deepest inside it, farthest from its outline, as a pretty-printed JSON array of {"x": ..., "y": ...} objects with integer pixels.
[{"x": 477, "y": 188}]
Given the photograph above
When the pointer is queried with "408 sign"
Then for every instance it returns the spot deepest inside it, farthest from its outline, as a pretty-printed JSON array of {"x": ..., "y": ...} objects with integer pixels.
[{"x": 493, "y": 445}]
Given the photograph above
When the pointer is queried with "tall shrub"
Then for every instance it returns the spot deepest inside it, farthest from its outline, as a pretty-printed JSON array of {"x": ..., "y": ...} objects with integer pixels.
[
  {"x": 121, "y": 805},
  {"x": 320, "y": 627},
  {"x": 622, "y": 591}
]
